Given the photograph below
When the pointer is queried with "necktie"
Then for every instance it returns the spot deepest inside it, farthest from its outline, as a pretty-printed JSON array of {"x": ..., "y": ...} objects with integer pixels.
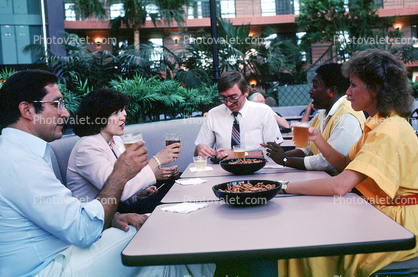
[{"x": 235, "y": 138}]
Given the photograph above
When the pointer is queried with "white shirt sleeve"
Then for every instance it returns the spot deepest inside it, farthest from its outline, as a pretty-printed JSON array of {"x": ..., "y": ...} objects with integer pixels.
[{"x": 346, "y": 132}]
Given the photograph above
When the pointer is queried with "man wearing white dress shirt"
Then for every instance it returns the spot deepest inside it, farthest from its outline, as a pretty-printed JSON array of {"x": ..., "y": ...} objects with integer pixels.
[{"x": 256, "y": 122}]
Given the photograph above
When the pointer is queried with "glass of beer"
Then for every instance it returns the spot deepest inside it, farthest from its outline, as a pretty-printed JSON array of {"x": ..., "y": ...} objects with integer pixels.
[
  {"x": 301, "y": 134},
  {"x": 239, "y": 151},
  {"x": 129, "y": 139},
  {"x": 200, "y": 162},
  {"x": 172, "y": 138}
]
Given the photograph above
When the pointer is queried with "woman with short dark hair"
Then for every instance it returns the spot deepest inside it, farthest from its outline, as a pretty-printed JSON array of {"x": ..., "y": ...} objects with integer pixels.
[{"x": 100, "y": 119}]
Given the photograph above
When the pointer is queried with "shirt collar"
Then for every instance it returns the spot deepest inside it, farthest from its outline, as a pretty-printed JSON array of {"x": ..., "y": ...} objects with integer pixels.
[
  {"x": 373, "y": 121},
  {"x": 34, "y": 143},
  {"x": 336, "y": 106},
  {"x": 243, "y": 110}
]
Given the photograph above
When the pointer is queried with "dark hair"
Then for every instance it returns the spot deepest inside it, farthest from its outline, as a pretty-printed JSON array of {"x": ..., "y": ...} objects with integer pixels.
[
  {"x": 229, "y": 79},
  {"x": 332, "y": 77},
  {"x": 383, "y": 72},
  {"x": 23, "y": 86},
  {"x": 95, "y": 109}
]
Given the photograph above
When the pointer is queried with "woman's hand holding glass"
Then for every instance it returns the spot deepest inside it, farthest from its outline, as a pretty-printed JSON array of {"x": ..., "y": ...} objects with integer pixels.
[
  {"x": 169, "y": 153},
  {"x": 314, "y": 134},
  {"x": 167, "y": 172}
]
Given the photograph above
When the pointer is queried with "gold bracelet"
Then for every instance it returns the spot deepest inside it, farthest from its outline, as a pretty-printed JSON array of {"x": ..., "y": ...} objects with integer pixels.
[
  {"x": 158, "y": 162},
  {"x": 330, "y": 151}
]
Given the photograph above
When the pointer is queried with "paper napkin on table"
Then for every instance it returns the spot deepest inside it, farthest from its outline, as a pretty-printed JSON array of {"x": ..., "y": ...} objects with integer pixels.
[
  {"x": 190, "y": 182},
  {"x": 273, "y": 166},
  {"x": 185, "y": 208},
  {"x": 193, "y": 169}
]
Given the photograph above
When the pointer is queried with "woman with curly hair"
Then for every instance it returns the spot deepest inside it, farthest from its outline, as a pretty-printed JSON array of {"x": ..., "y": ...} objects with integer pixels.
[{"x": 381, "y": 166}]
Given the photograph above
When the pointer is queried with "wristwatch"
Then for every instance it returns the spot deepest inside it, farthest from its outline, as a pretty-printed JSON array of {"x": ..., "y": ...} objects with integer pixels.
[
  {"x": 284, "y": 187},
  {"x": 284, "y": 161}
]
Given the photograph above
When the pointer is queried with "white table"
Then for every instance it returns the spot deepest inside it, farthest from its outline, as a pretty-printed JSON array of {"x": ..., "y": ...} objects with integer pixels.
[{"x": 286, "y": 227}]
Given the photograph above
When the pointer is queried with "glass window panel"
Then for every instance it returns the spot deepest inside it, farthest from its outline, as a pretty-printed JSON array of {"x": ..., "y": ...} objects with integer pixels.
[
  {"x": 151, "y": 8},
  {"x": 69, "y": 12},
  {"x": 116, "y": 10},
  {"x": 228, "y": 8}
]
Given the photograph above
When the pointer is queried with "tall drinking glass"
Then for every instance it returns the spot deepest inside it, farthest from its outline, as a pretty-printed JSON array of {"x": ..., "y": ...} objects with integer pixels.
[
  {"x": 301, "y": 134},
  {"x": 129, "y": 139}
]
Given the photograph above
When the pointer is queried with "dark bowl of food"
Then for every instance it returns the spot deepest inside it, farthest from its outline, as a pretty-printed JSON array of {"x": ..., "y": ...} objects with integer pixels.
[
  {"x": 243, "y": 166},
  {"x": 248, "y": 192}
]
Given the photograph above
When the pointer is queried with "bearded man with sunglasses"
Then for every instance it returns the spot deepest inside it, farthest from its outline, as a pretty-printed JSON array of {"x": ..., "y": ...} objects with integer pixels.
[{"x": 256, "y": 122}]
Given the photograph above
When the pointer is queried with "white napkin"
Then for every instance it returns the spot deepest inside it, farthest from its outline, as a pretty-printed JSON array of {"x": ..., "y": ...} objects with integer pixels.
[
  {"x": 190, "y": 182},
  {"x": 273, "y": 166},
  {"x": 185, "y": 208},
  {"x": 193, "y": 169}
]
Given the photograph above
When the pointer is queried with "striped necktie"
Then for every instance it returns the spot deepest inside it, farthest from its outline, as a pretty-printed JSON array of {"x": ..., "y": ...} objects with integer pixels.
[{"x": 235, "y": 138}]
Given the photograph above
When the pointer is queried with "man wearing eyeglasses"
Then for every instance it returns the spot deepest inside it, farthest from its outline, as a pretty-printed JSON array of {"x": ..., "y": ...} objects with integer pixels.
[
  {"x": 256, "y": 122},
  {"x": 44, "y": 231}
]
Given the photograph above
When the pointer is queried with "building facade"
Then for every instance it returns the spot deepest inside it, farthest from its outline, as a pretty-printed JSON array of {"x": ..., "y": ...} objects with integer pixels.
[{"x": 22, "y": 23}]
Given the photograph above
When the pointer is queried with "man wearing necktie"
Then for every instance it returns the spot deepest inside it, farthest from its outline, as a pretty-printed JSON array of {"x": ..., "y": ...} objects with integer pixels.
[{"x": 236, "y": 121}]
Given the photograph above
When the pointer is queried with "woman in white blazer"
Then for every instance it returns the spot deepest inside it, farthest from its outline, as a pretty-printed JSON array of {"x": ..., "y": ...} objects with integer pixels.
[{"x": 99, "y": 120}]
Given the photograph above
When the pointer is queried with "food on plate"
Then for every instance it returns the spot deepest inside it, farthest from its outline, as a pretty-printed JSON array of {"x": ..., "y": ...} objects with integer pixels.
[
  {"x": 247, "y": 187},
  {"x": 245, "y": 161}
]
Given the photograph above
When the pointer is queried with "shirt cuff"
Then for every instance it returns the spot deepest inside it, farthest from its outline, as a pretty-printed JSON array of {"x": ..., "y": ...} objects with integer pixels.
[{"x": 94, "y": 209}]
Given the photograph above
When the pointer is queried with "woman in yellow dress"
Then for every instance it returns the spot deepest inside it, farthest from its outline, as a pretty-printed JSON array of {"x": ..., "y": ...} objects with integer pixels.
[{"x": 382, "y": 165}]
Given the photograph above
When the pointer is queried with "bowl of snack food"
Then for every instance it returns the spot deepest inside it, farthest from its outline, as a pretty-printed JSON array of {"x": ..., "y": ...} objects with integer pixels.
[
  {"x": 247, "y": 192},
  {"x": 243, "y": 166}
]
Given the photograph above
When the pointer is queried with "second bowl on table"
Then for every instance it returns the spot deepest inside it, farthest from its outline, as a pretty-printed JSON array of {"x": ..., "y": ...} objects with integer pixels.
[
  {"x": 243, "y": 166},
  {"x": 244, "y": 197}
]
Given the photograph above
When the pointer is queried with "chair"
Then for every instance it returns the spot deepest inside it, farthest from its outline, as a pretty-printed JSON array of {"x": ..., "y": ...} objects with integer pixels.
[
  {"x": 310, "y": 114},
  {"x": 406, "y": 268},
  {"x": 413, "y": 120}
]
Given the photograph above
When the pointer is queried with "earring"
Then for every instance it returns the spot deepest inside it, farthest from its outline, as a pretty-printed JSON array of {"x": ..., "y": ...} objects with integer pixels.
[{"x": 330, "y": 95}]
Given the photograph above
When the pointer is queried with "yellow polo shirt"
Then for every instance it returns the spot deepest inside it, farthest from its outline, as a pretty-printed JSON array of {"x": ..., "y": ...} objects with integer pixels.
[{"x": 387, "y": 153}]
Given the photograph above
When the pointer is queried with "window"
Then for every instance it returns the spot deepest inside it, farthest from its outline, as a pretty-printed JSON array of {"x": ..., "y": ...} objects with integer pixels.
[
  {"x": 277, "y": 7},
  {"x": 378, "y": 4},
  {"x": 414, "y": 33},
  {"x": 152, "y": 9},
  {"x": 116, "y": 10},
  {"x": 228, "y": 8},
  {"x": 268, "y": 8},
  {"x": 69, "y": 12},
  {"x": 284, "y": 7},
  {"x": 157, "y": 43},
  {"x": 200, "y": 9}
]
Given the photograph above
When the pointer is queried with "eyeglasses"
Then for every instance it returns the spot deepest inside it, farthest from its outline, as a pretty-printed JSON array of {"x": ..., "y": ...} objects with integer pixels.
[
  {"x": 59, "y": 104},
  {"x": 230, "y": 99}
]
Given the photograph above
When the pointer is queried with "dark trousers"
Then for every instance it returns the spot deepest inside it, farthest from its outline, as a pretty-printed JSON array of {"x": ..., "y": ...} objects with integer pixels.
[{"x": 148, "y": 204}]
